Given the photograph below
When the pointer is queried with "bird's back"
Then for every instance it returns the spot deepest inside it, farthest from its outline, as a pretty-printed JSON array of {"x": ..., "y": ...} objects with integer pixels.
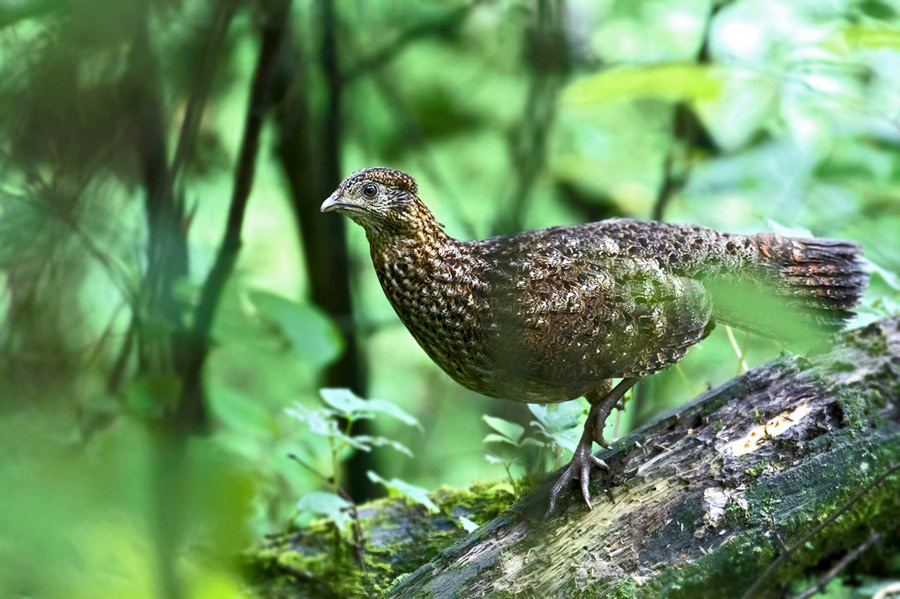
[{"x": 621, "y": 298}]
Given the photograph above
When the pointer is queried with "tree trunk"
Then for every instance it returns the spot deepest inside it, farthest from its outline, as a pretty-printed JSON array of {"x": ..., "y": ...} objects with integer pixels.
[{"x": 791, "y": 465}]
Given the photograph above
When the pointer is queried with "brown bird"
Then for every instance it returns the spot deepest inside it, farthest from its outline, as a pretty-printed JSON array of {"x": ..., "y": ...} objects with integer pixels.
[{"x": 554, "y": 314}]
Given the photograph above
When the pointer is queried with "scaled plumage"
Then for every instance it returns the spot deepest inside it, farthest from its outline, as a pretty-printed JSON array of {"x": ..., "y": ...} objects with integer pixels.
[{"x": 554, "y": 314}]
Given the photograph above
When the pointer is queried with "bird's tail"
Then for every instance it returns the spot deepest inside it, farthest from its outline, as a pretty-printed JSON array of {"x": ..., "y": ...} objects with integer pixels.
[{"x": 803, "y": 287}]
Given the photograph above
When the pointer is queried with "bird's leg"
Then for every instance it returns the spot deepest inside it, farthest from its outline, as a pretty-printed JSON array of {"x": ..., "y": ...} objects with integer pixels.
[
  {"x": 580, "y": 466},
  {"x": 603, "y": 403}
]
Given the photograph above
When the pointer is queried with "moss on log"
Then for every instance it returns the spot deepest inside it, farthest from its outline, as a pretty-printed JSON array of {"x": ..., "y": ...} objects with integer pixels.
[{"x": 701, "y": 502}]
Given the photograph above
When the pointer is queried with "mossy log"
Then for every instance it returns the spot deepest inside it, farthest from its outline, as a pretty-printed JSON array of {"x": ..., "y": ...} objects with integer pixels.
[{"x": 795, "y": 457}]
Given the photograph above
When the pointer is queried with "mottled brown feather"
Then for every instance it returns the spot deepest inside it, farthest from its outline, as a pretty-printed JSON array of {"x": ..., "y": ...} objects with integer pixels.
[{"x": 552, "y": 314}]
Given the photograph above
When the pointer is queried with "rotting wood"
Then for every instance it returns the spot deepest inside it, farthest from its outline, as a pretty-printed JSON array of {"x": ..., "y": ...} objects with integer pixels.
[{"x": 702, "y": 499}]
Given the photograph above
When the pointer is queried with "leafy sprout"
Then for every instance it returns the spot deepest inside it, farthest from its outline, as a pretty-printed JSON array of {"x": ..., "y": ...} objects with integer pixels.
[{"x": 334, "y": 421}]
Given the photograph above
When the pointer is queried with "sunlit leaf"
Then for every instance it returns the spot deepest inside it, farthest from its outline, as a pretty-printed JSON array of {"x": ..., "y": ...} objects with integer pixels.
[
  {"x": 863, "y": 37},
  {"x": 417, "y": 494},
  {"x": 495, "y": 438},
  {"x": 567, "y": 439},
  {"x": 532, "y": 442},
  {"x": 343, "y": 400},
  {"x": 510, "y": 430},
  {"x": 313, "y": 336},
  {"x": 326, "y": 504},
  {"x": 385, "y": 407},
  {"x": 892, "y": 279},
  {"x": 673, "y": 81},
  {"x": 558, "y": 416},
  {"x": 377, "y": 441},
  {"x": 492, "y": 459}
]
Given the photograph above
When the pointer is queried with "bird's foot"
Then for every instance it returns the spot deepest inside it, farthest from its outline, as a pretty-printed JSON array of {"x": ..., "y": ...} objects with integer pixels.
[{"x": 579, "y": 469}]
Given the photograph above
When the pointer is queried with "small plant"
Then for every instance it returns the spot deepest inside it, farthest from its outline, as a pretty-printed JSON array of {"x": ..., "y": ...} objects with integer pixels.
[
  {"x": 556, "y": 428},
  {"x": 334, "y": 421}
]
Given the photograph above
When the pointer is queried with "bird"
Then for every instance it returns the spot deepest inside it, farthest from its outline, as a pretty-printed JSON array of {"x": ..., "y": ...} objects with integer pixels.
[{"x": 554, "y": 314}]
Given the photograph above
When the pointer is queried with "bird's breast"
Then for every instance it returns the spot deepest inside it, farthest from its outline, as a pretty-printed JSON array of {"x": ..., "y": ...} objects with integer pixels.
[{"x": 440, "y": 301}]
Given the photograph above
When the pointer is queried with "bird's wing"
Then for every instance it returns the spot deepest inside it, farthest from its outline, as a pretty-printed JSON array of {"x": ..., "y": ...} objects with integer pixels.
[{"x": 565, "y": 308}]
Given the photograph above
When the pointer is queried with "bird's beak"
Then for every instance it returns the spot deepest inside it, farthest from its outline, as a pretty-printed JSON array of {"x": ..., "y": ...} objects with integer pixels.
[{"x": 331, "y": 204}]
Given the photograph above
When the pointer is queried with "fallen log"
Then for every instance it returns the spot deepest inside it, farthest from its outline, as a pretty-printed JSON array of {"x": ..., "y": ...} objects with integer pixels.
[{"x": 791, "y": 464}]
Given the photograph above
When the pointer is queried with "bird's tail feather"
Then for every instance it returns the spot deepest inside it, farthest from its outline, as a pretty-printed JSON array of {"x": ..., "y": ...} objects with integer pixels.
[{"x": 801, "y": 288}]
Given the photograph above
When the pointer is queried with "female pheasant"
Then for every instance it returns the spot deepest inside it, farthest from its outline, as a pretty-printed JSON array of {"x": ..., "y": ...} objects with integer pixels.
[{"x": 554, "y": 314}]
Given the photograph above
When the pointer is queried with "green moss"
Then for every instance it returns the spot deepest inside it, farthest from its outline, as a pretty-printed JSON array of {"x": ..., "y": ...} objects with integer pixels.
[
  {"x": 626, "y": 589},
  {"x": 855, "y": 409},
  {"x": 756, "y": 469},
  {"x": 319, "y": 562}
]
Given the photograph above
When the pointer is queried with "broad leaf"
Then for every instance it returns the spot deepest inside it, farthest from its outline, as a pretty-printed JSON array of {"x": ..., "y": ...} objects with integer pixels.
[
  {"x": 377, "y": 441},
  {"x": 495, "y": 438},
  {"x": 510, "y": 430},
  {"x": 417, "y": 494},
  {"x": 343, "y": 400},
  {"x": 385, "y": 407},
  {"x": 673, "y": 81},
  {"x": 312, "y": 335},
  {"x": 326, "y": 504}
]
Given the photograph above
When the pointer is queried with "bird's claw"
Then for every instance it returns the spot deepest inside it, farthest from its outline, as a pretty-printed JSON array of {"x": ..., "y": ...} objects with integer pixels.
[{"x": 580, "y": 469}]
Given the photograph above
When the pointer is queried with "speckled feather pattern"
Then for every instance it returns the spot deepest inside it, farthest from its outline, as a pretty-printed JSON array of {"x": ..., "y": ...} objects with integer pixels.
[{"x": 552, "y": 314}]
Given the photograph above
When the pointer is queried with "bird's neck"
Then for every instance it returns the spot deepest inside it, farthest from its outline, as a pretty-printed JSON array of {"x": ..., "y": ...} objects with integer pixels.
[{"x": 422, "y": 232}]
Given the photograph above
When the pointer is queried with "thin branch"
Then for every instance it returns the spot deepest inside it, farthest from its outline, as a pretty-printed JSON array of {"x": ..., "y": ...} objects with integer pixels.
[
  {"x": 193, "y": 112},
  {"x": 822, "y": 582},
  {"x": 784, "y": 556},
  {"x": 190, "y": 411}
]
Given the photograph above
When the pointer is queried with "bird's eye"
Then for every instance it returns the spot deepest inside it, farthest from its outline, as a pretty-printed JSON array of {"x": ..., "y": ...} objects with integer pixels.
[{"x": 370, "y": 190}]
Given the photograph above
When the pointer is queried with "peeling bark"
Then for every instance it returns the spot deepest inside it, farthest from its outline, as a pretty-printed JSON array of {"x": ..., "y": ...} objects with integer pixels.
[{"x": 702, "y": 499}]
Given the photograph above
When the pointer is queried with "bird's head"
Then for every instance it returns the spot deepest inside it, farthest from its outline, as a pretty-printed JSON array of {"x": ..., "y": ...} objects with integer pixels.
[{"x": 382, "y": 201}]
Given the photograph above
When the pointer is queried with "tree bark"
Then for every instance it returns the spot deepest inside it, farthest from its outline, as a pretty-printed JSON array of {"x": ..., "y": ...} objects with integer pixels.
[
  {"x": 792, "y": 464},
  {"x": 308, "y": 147}
]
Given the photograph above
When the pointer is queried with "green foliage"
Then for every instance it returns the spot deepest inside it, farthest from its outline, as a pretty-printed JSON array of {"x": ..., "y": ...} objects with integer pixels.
[
  {"x": 508, "y": 116},
  {"x": 395, "y": 485},
  {"x": 309, "y": 331},
  {"x": 666, "y": 82},
  {"x": 556, "y": 431}
]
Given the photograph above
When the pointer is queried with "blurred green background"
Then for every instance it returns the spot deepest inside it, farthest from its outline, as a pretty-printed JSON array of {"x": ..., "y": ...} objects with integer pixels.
[{"x": 145, "y": 372}]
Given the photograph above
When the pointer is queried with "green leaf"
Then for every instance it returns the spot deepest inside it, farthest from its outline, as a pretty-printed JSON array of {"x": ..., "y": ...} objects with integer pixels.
[
  {"x": 673, "y": 81},
  {"x": 322, "y": 423},
  {"x": 493, "y": 459},
  {"x": 343, "y": 400},
  {"x": 557, "y": 417},
  {"x": 568, "y": 440},
  {"x": 326, "y": 504},
  {"x": 382, "y": 406},
  {"x": 878, "y": 10},
  {"x": 858, "y": 37},
  {"x": 377, "y": 441},
  {"x": 510, "y": 430},
  {"x": 495, "y": 438},
  {"x": 312, "y": 335},
  {"x": 892, "y": 280},
  {"x": 531, "y": 442},
  {"x": 395, "y": 485}
]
